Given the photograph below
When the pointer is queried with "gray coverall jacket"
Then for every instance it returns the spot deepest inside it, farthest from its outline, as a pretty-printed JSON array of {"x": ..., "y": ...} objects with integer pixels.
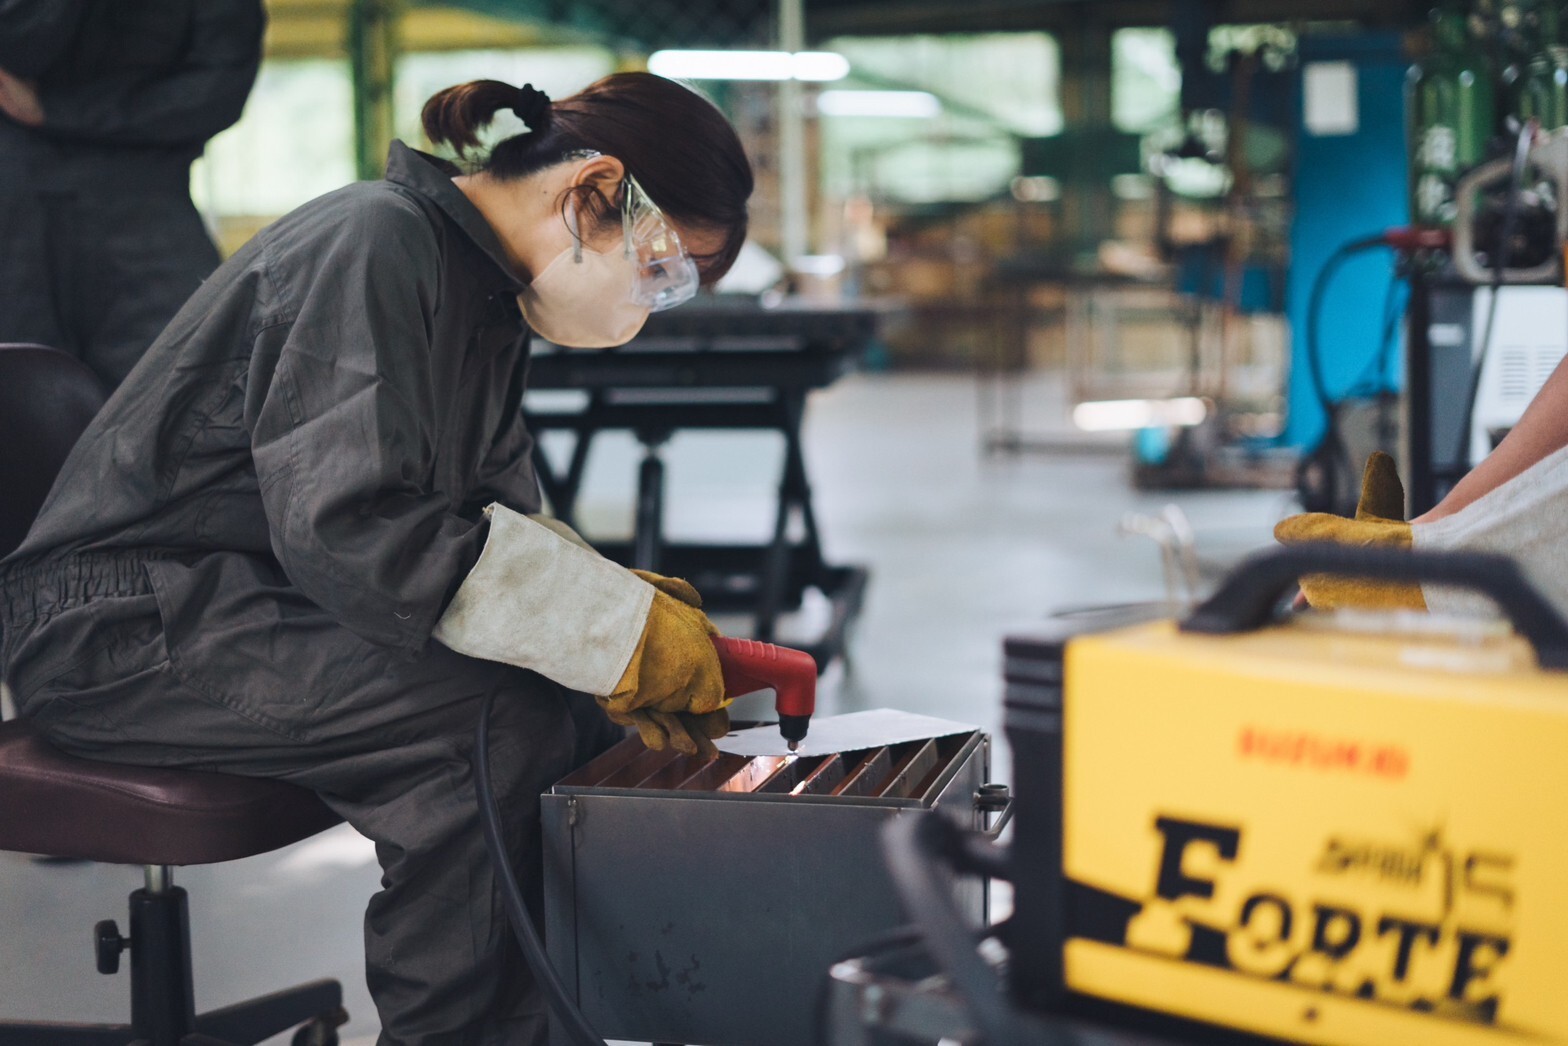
[
  {"x": 242, "y": 561},
  {"x": 102, "y": 243}
]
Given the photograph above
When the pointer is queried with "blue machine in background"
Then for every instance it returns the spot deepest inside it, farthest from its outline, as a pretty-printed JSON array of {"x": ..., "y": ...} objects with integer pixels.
[{"x": 1349, "y": 183}]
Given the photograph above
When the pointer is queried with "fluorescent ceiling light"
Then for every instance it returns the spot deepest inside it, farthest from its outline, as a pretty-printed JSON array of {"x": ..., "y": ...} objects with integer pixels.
[
  {"x": 899, "y": 104},
  {"x": 749, "y": 65},
  {"x": 1110, "y": 415},
  {"x": 819, "y": 66},
  {"x": 721, "y": 65}
]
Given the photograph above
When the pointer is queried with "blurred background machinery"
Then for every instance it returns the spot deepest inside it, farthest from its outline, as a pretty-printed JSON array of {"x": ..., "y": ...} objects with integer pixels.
[
  {"x": 1117, "y": 203},
  {"x": 1162, "y": 229}
]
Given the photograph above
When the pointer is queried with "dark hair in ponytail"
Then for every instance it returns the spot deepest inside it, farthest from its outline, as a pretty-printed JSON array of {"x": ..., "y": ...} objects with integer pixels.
[{"x": 677, "y": 143}]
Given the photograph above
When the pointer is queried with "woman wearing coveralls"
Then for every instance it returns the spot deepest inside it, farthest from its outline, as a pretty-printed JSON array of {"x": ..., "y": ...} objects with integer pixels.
[{"x": 320, "y": 467}]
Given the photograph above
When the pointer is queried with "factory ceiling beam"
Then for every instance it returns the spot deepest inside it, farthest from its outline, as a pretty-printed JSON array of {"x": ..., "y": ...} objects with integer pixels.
[
  {"x": 320, "y": 29},
  {"x": 871, "y": 17}
]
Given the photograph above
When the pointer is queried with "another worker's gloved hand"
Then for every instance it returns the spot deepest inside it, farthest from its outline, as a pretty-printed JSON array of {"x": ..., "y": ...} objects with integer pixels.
[
  {"x": 673, "y": 688},
  {"x": 1379, "y": 521}
]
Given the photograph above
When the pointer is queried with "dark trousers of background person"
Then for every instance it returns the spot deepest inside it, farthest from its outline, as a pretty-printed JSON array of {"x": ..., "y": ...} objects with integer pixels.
[{"x": 97, "y": 252}]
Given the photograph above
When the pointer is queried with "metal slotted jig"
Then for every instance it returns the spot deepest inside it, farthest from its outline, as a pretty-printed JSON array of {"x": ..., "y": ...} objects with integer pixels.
[{"x": 675, "y": 885}]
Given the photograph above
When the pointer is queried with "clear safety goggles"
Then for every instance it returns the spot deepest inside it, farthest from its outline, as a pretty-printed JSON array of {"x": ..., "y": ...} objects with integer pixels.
[{"x": 665, "y": 274}]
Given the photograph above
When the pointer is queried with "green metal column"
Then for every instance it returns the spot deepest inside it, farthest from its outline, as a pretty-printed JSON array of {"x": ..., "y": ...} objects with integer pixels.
[
  {"x": 372, "y": 55},
  {"x": 794, "y": 221},
  {"x": 1088, "y": 209}
]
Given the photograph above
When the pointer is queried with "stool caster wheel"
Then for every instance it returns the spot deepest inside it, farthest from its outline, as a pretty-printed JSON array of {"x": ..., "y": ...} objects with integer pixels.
[
  {"x": 323, "y": 1031},
  {"x": 108, "y": 944}
]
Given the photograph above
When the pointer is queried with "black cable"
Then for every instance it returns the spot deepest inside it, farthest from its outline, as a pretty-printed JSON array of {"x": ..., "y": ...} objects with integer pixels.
[
  {"x": 1371, "y": 382},
  {"x": 572, "y": 1020},
  {"x": 1331, "y": 452},
  {"x": 1510, "y": 219},
  {"x": 913, "y": 848},
  {"x": 1343, "y": 253}
]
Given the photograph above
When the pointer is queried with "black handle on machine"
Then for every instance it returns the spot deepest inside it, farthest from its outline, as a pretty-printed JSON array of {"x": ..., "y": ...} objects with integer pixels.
[{"x": 1247, "y": 599}]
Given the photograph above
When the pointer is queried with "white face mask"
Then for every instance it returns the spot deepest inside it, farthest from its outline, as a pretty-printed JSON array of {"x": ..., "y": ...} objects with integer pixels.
[{"x": 582, "y": 299}]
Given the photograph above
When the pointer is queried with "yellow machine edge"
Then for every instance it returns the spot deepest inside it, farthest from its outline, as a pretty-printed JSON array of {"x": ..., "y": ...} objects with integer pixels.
[{"x": 1329, "y": 838}]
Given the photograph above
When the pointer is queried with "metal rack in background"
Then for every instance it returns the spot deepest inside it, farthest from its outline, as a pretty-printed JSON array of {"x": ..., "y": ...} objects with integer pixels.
[{"x": 714, "y": 365}]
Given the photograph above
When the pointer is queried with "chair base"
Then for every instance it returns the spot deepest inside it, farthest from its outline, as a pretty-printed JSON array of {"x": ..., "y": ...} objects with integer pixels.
[{"x": 162, "y": 1013}]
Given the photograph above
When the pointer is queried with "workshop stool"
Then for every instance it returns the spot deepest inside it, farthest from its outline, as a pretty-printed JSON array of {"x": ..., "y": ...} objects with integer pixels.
[{"x": 61, "y": 806}]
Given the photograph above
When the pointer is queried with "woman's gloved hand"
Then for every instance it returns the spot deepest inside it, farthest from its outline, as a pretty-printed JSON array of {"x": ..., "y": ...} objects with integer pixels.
[
  {"x": 687, "y": 733},
  {"x": 678, "y": 587},
  {"x": 673, "y": 688},
  {"x": 1379, "y": 521}
]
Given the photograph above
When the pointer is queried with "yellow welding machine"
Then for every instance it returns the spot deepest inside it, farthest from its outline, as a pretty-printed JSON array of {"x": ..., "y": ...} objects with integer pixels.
[{"x": 1337, "y": 829}]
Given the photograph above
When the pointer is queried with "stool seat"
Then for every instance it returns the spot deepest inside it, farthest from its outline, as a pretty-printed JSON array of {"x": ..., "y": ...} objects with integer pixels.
[{"x": 63, "y": 806}]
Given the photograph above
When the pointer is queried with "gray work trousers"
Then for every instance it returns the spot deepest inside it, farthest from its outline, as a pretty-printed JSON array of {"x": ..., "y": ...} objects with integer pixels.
[{"x": 103, "y": 672}]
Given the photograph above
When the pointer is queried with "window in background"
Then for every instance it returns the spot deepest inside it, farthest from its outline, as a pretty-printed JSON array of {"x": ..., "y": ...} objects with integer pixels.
[
  {"x": 294, "y": 142},
  {"x": 557, "y": 71},
  {"x": 1145, "y": 80},
  {"x": 991, "y": 88}
]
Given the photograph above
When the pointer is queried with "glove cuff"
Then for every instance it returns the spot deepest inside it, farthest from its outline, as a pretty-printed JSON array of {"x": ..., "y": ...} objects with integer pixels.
[{"x": 539, "y": 601}]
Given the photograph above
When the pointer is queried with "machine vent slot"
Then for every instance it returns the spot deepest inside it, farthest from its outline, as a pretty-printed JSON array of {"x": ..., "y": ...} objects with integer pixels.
[
  {"x": 1515, "y": 373},
  {"x": 1547, "y": 357},
  {"x": 907, "y": 770}
]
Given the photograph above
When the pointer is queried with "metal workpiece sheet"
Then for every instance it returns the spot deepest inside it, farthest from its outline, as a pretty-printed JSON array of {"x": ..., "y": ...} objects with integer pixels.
[{"x": 876, "y": 728}]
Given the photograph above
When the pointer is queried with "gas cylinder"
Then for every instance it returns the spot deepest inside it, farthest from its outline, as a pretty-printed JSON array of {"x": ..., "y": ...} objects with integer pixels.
[{"x": 1452, "y": 115}]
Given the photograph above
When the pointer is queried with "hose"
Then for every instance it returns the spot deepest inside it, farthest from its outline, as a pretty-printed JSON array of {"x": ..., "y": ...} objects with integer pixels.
[
  {"x": 1343, "y": 253},
  {"x": 1371, "y": 382},
  {"x": 1331, "y": 451},
  {"x": 572, "y": 1021}
]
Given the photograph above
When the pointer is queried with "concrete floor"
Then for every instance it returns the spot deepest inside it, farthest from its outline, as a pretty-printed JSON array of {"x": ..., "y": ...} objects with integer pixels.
[{"x": 962, "y": 550}]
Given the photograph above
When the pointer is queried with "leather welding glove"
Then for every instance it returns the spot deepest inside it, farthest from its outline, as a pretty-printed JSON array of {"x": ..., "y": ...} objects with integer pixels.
[
  {"x": 1379, "y": 522},
  {"x": 606, "y": 631},
  {"x": 673, "y": 687},
  {"x": 686, "y": 733},
  {"x": 561, "y": 529},
  {"x": 690, "y": 733},
  {"x": 680, "y": 588}
]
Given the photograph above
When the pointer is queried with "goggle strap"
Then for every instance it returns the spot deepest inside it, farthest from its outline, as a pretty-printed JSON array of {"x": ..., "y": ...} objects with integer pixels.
[{"x": 576, "y": 230}]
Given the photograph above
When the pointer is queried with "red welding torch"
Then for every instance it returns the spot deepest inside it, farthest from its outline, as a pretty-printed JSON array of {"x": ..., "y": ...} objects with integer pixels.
[{"x": 750, "y": 665}]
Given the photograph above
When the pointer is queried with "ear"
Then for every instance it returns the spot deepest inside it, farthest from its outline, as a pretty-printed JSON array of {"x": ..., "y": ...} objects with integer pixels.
[{"x": 604, "y": 175}]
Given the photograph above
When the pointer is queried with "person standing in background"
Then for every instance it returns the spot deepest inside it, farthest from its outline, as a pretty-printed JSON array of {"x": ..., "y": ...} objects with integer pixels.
[{"x": 103, "y": 106}]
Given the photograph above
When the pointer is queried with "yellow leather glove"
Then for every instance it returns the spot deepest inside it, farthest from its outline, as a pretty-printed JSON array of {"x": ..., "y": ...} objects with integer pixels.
[
  {"x": 1379, "y": 521},
  {"x": 686, "y": 733},
  {"x": 673, "y": 688},
  {"x": 678, "y": 587}
]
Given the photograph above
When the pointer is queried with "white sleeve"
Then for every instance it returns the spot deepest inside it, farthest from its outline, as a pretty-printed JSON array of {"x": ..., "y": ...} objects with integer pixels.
[
  {"x": 539, "y": 601},
  {"x": 1525, "y": 518}
]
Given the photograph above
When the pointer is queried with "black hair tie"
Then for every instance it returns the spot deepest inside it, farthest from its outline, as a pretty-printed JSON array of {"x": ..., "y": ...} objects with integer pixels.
[{"x": 533, "y": 108}]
